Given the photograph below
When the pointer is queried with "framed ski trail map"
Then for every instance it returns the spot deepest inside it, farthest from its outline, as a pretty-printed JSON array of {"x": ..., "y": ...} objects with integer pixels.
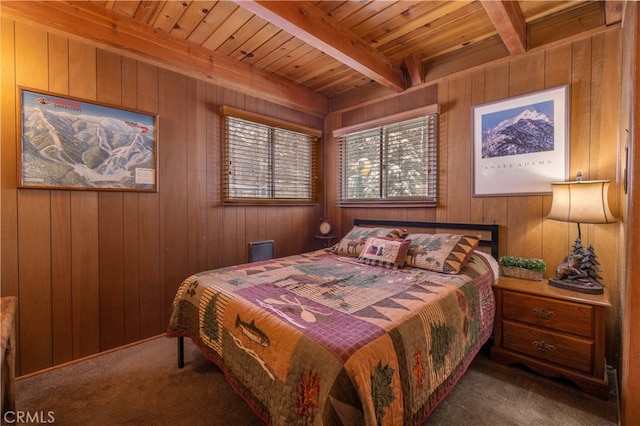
[{"x": 69, "y": 143}]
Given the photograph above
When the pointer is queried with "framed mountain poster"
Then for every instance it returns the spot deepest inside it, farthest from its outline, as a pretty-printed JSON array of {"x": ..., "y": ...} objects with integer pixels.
[{"x": 520, "y": 145}]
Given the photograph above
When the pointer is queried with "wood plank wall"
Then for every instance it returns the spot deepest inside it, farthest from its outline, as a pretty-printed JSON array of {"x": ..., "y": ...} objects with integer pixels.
[
  {"x": 591, "y": 68},
  {"x": 96, "y": 270},
  {"x": 629, "y": 372}
]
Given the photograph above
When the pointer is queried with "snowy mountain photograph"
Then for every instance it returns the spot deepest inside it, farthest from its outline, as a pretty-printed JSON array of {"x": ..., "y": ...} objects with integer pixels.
[
  {"x": 522, "y": 130},
  {"x": 520, "y": 143},
  {"x": 80, "y": 145}
]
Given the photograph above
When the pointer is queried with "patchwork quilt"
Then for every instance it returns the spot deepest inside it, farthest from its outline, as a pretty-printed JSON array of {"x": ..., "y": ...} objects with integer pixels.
[{"x": 320, "y": 339}]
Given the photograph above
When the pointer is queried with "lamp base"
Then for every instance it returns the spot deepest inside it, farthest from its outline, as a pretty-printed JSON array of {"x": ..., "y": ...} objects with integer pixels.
[{"x": 582, "y": 285}]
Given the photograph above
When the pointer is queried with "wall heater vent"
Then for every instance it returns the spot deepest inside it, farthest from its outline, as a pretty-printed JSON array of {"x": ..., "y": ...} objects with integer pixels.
[{"x": 260, "y": 250}]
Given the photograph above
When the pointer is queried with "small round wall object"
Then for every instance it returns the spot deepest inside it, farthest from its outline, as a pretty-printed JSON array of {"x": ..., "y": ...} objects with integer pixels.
[{"x": 325, "y": 227}]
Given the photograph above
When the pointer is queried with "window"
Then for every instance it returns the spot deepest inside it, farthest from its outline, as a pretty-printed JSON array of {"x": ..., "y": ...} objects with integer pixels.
[
  {"x": 268, "y": 161},
  {"x": 389, "y": 163}
]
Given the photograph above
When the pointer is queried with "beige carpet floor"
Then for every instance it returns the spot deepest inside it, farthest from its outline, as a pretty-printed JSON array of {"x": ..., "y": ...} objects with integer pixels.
[{"x": 141, "y": 385}]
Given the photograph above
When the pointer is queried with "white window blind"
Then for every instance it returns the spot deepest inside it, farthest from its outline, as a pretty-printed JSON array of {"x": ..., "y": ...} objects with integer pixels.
[
  {"x": 391, "y": 163},
  {"x": 265, "y": 163}
]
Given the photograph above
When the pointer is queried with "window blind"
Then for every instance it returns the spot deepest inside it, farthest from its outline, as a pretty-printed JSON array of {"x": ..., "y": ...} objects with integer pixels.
[
  {"x": 265, "y": 163},
  {"x": 390, "y": 164}
]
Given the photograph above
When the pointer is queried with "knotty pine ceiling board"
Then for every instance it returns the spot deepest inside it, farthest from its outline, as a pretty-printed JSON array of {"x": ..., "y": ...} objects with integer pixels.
[
  {"x": 413, "y": 16},
  {"x": 226, "y": 29},
  {"x": 169, "y": 15},
  {"x": 442, "y": 35},
  {"x": 533, "y": 10},
  {"x": 426, "y": 30},
  {"x": 216, "y": 15},
  {"x": 248, "y": 49},
  {"x": 127, "y": 8},
  {"x": 271, "y": 50},
  {"x": 195, "y": 13},
  {"x": 242, "y": 35},
  {"x": 340, "y": 10},
  {"x": 148, "y": 10}
]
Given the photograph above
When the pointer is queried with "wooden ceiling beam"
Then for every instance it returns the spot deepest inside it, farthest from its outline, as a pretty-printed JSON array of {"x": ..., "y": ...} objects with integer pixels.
[
  {"x": 509, "y": 21},
  {"x": 613, "y": 11},
  {"x": 414, "y": 69},
  {"x": 306, "y": 22},
  {"x": 115, "y": 32}
]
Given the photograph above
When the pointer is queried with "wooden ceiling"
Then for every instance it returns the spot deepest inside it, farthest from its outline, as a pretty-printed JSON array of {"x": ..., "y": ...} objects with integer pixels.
[{"x": 327, "y": 49}]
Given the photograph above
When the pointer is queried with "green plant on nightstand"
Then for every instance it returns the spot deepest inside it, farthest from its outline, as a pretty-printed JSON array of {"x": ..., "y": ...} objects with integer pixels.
[{"x": 520, "y": 267}]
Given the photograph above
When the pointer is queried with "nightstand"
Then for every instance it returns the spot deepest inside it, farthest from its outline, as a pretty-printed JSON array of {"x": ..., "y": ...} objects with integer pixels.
[
  {"x": 555, "y": 332},
  {"x": 327, "y": 239}
]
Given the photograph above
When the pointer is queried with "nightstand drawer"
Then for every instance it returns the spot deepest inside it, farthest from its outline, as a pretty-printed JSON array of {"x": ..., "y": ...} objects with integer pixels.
[
  {"x": 568, "y": 351},
  {"x": 559, "y": 315},
  {"x": 553, "y": 331}
]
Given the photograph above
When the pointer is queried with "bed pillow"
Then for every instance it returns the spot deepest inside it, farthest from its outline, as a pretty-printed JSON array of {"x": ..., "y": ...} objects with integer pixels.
[
  {"x": 383, "y": 251},
  {"x": 352, "y": 244},
  {"x": 446, "y": 253}
]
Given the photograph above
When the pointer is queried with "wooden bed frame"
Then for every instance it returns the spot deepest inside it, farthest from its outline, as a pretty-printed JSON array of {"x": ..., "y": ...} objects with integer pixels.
[{"x": 491, "y": 242}]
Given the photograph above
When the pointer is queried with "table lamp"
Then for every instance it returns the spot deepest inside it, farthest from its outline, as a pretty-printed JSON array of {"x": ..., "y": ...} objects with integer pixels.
[{"x": 580, "y": 202}]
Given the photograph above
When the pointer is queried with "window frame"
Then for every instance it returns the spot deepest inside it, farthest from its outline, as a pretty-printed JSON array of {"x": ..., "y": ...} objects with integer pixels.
[
  {"x": 379, "y": 125},
  {"x": 271, "y": 124}
]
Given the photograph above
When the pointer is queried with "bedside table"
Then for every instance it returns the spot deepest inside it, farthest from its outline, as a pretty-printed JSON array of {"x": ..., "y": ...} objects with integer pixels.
[
  {"x": 555, "y": 332},
  {"x": 327, "y": 239}
]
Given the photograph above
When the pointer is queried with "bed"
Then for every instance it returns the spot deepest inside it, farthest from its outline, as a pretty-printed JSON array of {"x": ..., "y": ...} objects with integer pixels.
[{"x": 374, "y": 330}]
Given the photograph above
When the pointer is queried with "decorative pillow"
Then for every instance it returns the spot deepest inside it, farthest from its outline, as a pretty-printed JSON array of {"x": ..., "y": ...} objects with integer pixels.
[
  {"x": 352, "y": 243},
  {"x": 446, "y": 253},
  {"x": 385, "y": 252}
]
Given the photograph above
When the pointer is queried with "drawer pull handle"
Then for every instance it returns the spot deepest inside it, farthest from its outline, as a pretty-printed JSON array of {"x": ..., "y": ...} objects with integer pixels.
[
  {"x": 543, "y": 346},
  {"x": 543, "y": 313}
]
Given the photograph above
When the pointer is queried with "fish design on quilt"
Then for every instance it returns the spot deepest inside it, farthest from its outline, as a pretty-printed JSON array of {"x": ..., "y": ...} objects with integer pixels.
[
  {"x": 252, "y": 332},
  {"x": 261, "y": 362}
]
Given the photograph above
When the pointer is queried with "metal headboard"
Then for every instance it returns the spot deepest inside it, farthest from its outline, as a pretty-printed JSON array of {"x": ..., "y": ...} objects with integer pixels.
[{"x": 493, "y": 229}]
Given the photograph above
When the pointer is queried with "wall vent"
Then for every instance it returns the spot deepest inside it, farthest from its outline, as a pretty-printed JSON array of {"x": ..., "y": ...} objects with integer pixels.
[{"x": 260, "y": 250}]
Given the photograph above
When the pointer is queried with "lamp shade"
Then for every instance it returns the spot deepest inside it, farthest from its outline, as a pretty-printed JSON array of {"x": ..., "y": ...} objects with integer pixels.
[{"x": 581, "y": 202}]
